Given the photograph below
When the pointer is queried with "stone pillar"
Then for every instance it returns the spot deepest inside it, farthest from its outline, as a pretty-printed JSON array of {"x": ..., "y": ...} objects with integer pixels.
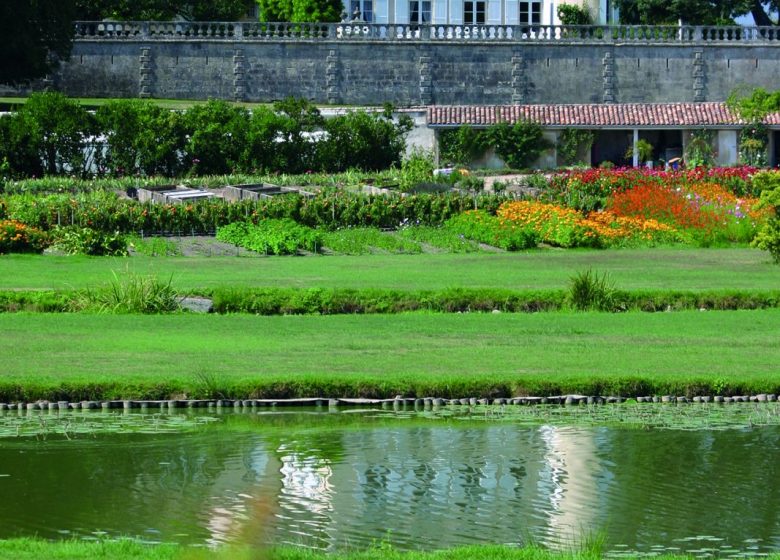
[
  {"x": 608, "y": 76},
  {"x": 332, "y": 77},
  {"x": 699, "y": 75},
  {"x": 519, "y": 82},
  {"x": 635, "y": 149},
  {"x": 145, "y": 73},
  {"x": 426, "y": 80},
  {"x": 239, "y": 75}
]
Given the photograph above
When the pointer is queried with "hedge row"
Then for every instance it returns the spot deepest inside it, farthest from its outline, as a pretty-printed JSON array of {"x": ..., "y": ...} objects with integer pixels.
[
  {"x": 292, "y": 301},
  {"x": 53, "y": 135}
]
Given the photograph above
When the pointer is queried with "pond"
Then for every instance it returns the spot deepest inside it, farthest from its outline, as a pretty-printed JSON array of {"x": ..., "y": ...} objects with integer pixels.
[{"x": 415, "y": 480}]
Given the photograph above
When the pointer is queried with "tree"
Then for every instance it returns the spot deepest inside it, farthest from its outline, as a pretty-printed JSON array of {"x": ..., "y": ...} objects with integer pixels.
[
  {"x": 695, "y": 12},
  {"x": 300, "y": 10},
  {"x": 36, "y": 34},
  {"x": 196, "y": 10}
]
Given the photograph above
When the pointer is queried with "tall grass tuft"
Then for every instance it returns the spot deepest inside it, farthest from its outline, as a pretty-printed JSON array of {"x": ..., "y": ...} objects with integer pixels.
[
  {"x": 129, "y": 293},
  {"x": 590, "y": 290}
]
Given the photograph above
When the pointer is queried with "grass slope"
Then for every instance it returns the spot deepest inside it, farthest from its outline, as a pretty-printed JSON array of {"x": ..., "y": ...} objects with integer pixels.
[
  {"x": 108, "y": 356},
  {"x": 679, "y": 269},
  {"x": 29, "y": 549}
]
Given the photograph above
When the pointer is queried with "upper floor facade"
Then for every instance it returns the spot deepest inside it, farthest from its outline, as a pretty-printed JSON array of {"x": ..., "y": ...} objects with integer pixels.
[{"x": 473, "y": 12}]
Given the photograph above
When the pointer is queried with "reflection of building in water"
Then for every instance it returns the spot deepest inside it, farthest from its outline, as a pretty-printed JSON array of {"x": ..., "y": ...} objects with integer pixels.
[
  {"x": 485, "y": 484},
  {"x": 572, "y": 484}
]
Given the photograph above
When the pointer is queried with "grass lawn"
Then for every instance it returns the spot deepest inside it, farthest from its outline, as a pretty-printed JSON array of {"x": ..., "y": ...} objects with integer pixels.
[
  {"x": 29, "y": 549},
  {"x": 110, "y": 356},
  {"x": 673, "y": 269}
]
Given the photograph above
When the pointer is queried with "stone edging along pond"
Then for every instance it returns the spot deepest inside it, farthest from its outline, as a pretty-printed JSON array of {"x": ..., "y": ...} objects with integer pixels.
[{"x": 384, "y": 403}]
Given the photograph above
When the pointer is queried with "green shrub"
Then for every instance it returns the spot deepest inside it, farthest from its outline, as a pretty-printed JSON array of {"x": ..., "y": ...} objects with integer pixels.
[
  {"x": 768, "y": 238},
  {"x": 75, "y": 240},
  {"x": 129, "y": 293},
  {"x": 274, "y": 237},
  {"x": 216, "y": 132},
  {"x": 19, "y": 146},
  {"x": 60, "y": 130},
  {"x": 142, "y": 138},
  {"x": 590, "y": 291},
  {"x": 16, "y": 237},
  {"x": 520, "y": 144},
  {"x": 573, "y": 141},
  {"x": 416, "y": 168},
  {"x": 462, "y": 145},
  {"x": 361, "y": 140}
]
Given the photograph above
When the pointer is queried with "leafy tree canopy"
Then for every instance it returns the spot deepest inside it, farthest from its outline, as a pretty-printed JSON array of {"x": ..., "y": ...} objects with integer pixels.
[
  {"x": 696, "y": 12},
  {"x": 197, "y": 10},
  {"x": 36, "y": 34}
]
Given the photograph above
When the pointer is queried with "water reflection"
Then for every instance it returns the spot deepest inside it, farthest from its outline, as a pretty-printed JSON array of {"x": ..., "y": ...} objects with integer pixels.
[{"x": 434, "y": 485}]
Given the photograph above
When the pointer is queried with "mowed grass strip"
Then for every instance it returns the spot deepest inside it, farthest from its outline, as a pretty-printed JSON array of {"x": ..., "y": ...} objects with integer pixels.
[
  {"x": 107, "y": 356},
  {"x": 34, "y": 549},
  {"x": 673, "y": 269}
]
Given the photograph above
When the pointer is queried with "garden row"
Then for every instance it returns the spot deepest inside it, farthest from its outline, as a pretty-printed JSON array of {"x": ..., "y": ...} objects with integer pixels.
[{"x": 593, "y": 208}]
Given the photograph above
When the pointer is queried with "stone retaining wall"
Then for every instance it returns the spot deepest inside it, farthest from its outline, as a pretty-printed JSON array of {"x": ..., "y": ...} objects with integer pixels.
[{"x": 412, "y": 65}]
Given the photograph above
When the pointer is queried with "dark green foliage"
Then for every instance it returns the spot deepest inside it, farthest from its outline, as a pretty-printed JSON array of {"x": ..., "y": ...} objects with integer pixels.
[
  {"x": 197, "y": 10},
  {"x": 75, "y": 240},
  {"x": 572, "y": 141},
  {"x": 699, "y": 150},
  {"x": 217, "y": 132},
  {"x": 142, "y": 138},
  {"x": 275, "y": 10},
  {"x": 768, "y": 238},
  {"x": 520, "y": 144},
  {"x": 571, "y": 14},
  {"x": 60, "y": 130},
  {"x": 19, "y": 146},
  {"x": 316, "y": 10},
  {"x": 368, "y": 141},
  {"x": 36, "y": 35},
  {"x": 462, "y": 145}
]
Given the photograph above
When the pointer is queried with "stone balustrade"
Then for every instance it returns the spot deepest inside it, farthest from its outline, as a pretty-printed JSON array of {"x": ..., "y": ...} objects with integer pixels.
[{"x": 357, "y": 31}]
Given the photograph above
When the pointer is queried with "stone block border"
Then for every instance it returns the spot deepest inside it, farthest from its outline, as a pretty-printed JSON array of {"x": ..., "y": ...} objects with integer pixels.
[{"x": 397, "y": 402}]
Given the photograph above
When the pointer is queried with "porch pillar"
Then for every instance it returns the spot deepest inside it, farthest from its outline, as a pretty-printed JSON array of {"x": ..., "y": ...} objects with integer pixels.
[{"x": 635, "y": 150}]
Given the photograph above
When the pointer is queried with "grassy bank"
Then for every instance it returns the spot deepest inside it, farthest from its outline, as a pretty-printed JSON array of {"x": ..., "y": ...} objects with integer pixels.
[
  {"x": 657, "y": 269},
  {"x": 24, "y": 549},
  {"x": 74, "y": 356}
]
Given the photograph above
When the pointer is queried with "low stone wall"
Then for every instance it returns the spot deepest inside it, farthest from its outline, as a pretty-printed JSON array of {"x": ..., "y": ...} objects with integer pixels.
[
  {"x": 413, "y": 65},
  {"x": 398, "y": 402}
]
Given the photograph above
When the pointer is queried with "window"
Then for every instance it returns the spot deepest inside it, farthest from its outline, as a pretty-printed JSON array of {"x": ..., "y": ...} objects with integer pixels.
[
  {"x": 419, "y": 11},
  {"x": 531, "y": 12},
  {"x": 474, "y": 12},
  {"x": 363, "y": 9}
]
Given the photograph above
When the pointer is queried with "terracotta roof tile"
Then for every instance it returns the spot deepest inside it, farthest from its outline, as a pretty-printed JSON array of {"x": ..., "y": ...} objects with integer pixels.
[{"x": 595, "y": 115}]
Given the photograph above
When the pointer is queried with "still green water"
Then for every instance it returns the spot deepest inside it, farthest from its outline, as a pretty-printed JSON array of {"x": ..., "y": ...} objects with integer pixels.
[{"x": 351, "y": 479}]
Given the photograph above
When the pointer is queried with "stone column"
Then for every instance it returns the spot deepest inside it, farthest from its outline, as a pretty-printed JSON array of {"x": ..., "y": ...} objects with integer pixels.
[
  {"x": 239, "y": 75},
  {"x": 519, "y": 80},
  {"x": 145, "y": 73},
  {"x": 699, "y": 75},
  {"x": 332, "y": 77},
  {"x": 608, "y": 76},
  {"x": 635, "y": 149},
  {"x": 426, "y": 80}
]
